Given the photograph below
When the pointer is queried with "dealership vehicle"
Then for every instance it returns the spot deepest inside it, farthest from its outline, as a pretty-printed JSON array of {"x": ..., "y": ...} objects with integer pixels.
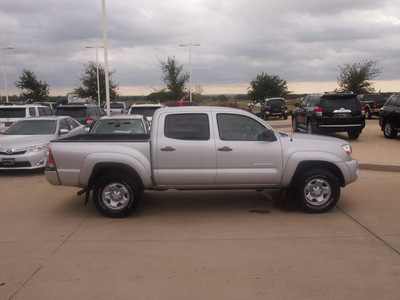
[
  {"x": 202, "y": 148},
  {"x": 389, "y": 117},
  {"x": 25, "y": 144},
  {"x": 274, "y": 107},
  {"x": 117, "y": 108},
  {"x": 181, "y": 103},
  {"x": 330, "y": 112},
  {"x": 146, "y": 110},
  {"x": 117, "y": 124},
  {"x": 9, "y": 114},
  {"x": 372, "y": 103},
  {"x": 86, "y": 114}
]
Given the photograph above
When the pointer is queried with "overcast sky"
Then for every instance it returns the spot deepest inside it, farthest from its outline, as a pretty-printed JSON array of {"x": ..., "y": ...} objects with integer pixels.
[{"x": 303, "y": 42}]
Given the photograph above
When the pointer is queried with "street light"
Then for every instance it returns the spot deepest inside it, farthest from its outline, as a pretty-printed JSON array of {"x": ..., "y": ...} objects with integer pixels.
[
  {"x": 97, "y": 68},
  {"x": 105, "y": 42},
  {"x": 190, "y": 65},
  {"x": 4, "y": 65}
]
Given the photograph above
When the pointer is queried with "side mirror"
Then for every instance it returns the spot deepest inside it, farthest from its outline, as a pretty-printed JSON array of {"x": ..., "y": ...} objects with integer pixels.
[
  {"x": 87, "y": 129},
  {"x": 269, "y": 135},
  {"x": 63, "y": 131}
]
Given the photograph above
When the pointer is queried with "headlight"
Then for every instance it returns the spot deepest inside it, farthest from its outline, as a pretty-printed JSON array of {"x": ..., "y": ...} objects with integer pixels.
[
  {"x": 347, "y": 149},
  {"x": 38, "y": 148}
]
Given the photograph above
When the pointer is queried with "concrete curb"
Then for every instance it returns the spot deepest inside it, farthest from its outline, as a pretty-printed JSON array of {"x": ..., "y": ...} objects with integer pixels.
[{"x": 379, "y": 167}]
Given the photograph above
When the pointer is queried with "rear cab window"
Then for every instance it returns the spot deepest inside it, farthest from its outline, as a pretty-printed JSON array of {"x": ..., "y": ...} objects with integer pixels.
[{"x": 8, "y": 112}]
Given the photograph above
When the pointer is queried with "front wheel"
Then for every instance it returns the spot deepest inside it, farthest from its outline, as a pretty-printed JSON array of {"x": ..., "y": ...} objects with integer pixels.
[
  {"x": 317, "y": 191},
  {"x": 116, "y": 196},
  {"x": 389, "y": 131}
]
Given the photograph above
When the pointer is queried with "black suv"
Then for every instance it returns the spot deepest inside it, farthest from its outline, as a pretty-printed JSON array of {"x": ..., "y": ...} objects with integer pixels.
[
  {"x": 86, "y": 114},
  {"x": 274, "y": 107},
  {"x": 389, "y": 117},
  {"x": 330, "y": 112},
  {"x": 372, "y": 103}
]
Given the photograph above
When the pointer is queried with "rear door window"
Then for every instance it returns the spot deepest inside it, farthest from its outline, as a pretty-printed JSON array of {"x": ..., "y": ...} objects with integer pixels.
[{"x": 187, "y": 127}]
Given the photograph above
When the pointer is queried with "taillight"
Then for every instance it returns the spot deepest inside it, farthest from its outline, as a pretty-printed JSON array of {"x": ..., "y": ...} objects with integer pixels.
[
  {"x": 50, "y": 158},
  {"x": 319, "y": 112},
  {"x": 89, "y": 120},
  {"x": 375, "y": 104},
  {"x": 122, "y": 111},
  {"x": 363, "y": 110}
]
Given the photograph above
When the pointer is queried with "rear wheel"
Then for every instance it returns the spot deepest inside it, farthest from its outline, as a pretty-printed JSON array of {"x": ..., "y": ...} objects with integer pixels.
[
  {"x": 317, "y": 191},
  {"x": 116, "y": 196},
  {"x": 389, "y": 131},
  {"x": 294, "y": 125},
  {"x": 353, "y": 135},
  {"x": 368, "y": 114},
  {"x": 310, "y": 127}
]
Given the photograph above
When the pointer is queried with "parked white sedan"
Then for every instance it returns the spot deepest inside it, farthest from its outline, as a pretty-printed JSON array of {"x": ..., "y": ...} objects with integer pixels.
[{"x": 25, "y": 144}]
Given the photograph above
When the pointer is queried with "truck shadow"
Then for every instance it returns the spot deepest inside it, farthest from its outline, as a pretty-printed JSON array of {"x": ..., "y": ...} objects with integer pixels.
[{"x": 248, "y": 201}]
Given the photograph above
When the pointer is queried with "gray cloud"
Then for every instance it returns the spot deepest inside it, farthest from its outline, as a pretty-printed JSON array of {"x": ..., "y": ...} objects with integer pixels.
[{"x": 299, "y": 41}]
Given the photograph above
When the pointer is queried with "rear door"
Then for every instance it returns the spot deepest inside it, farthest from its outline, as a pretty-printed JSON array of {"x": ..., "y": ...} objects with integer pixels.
[{"x": 184, "y": 150}]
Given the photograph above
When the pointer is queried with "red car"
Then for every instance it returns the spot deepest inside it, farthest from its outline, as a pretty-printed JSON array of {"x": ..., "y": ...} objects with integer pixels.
[{"x": 182, "y": 103}]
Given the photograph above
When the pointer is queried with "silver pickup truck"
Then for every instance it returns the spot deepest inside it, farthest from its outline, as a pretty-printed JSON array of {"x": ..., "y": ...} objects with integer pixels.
[{"x": 202, "y": 148}]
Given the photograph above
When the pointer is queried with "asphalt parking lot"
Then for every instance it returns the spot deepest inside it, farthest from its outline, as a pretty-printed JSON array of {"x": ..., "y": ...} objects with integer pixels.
[{"x": 206, "y": 244}]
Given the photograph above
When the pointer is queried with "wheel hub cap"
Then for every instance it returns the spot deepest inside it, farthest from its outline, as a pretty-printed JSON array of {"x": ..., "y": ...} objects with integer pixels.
[
  {"x": 317, "y": 191},
  {"x": 116, "y": 196}
]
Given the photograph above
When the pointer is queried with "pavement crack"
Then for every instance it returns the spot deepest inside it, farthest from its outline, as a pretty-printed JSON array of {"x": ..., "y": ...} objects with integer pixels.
[
  {"x": 52, "y": 254},
  {"x": 369, "y": 230}
]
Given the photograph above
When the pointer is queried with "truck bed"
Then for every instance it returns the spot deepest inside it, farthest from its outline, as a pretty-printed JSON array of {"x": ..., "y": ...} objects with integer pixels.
[{"x": 123, "y": 137}]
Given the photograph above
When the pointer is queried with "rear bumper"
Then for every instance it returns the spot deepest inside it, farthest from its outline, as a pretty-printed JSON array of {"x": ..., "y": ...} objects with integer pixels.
[{"x": 52, "y": 176}]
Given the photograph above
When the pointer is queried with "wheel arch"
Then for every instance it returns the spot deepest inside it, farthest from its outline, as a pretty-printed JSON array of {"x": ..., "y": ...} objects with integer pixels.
[
  {"x": 309, "y": 165},
  {"x": 101, "y": 169}
]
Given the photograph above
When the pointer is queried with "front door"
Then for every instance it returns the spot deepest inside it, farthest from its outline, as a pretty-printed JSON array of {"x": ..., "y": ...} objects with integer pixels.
[{"x": 243, "y": 158}]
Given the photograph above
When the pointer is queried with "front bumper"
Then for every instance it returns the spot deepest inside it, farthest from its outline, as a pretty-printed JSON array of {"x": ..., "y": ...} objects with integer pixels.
[{"x": 26, "y": 161}]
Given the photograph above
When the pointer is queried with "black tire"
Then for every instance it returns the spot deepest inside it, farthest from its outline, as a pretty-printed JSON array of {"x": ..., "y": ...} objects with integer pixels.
[
  {"x": 294, "y": 125},
  {"x": 368, "y": 114},
  {"x": 389, "y": 131},
  {"x": 285, "y": 117},
  {"x": 317, "y": 191},
  {"x": 116, "y": 196},
  {"x": 310, "y": 128},
  {"x": 353, "y": 135}
]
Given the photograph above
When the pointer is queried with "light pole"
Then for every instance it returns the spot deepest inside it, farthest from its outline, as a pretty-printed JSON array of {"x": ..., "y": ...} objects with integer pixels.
[
  {"x": 190, "y": 66},
  {"x": 4, "y": 65},
  {"x": 97, "y": 69},
  {"x": 105, "y": 42}
]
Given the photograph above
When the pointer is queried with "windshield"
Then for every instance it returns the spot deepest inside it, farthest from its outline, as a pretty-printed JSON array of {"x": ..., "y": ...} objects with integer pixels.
[
  {"x": 32, "y": 127},
  {"x": 144, "y": 111},
  {"x": 75, "y": 112},
  {"x": 117, "y": 105},
  {"x": 111, "y": 126},
  {"x": 9, "y": 112},
  {"x": 337, "y": 103}
]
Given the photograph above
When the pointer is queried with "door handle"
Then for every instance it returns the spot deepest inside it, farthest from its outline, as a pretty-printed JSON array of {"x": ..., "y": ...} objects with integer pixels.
[
  {"x": 168, "y": 149},
  {"x": 225, "y": 149}
]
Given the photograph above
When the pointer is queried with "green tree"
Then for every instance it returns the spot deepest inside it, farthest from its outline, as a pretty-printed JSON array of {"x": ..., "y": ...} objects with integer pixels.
[
  {"x": 174, "y": 78},
  {"x": 264, "y": 86},
  {"x": 356, "y": 77},
  {"x": 32, "y": 88},
  {"x": 88, "y": 81}
]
